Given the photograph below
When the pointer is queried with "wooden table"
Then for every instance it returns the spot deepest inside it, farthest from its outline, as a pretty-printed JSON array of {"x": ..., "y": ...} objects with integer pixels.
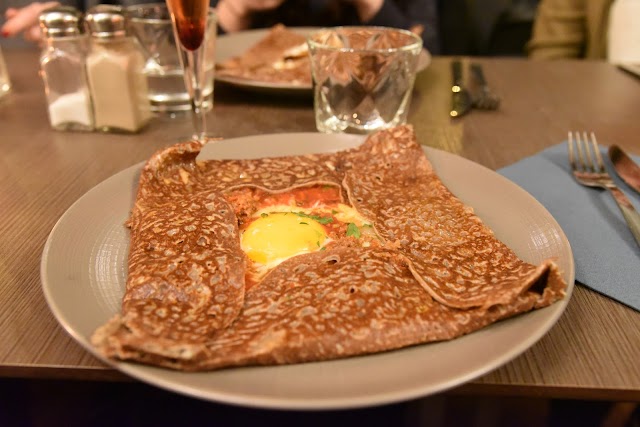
[{"x": 592, "y": 353}]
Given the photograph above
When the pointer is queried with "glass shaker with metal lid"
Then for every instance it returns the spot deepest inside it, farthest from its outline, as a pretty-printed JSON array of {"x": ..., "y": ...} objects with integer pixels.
[
  {"x": 62, "y": 66},
  {"x": 115, "y": 69}
]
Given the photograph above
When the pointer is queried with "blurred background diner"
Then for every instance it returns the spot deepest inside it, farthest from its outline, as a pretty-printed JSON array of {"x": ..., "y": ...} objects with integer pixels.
[
  {"x": 594, "y": 29},
  {"x": 19, "y": 18},
  {"x": 540, "y": 29},
  {"x": 570, "y": 29},
  {"x": 452, "y": 27}
]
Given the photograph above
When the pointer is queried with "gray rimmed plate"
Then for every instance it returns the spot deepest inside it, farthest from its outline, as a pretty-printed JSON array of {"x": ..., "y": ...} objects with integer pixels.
[
  {"x": 83, "y": 274},
  {"x": 235, "y": 44}
]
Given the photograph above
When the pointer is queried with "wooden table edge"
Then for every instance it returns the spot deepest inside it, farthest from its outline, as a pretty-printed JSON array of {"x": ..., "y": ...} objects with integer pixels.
[{"x": 102, "y": 374}]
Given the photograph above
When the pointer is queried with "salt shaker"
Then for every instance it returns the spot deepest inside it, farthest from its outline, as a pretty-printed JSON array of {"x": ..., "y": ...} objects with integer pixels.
[
  {"x": 115, "y": 68},
  {"x": 62, "y": 66}
]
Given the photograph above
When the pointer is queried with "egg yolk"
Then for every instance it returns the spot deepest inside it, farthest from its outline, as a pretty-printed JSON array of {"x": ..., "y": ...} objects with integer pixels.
[{"x": 274, "y": 237}]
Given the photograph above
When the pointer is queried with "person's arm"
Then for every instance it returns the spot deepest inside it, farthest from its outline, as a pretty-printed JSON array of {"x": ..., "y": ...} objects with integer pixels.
[
  {"x": 25, "y": 21},
  {"x": 559, "y": 30},
  {"x": 420, "y": 16},
  {"x": 367, "y": 9}
]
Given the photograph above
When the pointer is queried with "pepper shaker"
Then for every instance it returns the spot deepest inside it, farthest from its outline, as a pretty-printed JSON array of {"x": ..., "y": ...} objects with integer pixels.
[
  {"x": 115, "y": 67},
  {"x": 62, "y": 67}
]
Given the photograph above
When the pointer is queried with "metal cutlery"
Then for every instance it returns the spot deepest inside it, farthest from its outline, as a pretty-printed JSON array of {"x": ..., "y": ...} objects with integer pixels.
[
  {"x": 484, "y": 98},
  {"x": 626, "y": 168},
  {"x": 460, "y": 98},
  {"x": 588, "y": 169}
]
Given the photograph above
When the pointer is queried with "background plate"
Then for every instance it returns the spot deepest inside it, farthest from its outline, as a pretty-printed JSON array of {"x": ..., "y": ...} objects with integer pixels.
[
  {"x": 631, "y": 67},
  {"x": 235, "y": 44},
  {"x": 84, "y": 268}
]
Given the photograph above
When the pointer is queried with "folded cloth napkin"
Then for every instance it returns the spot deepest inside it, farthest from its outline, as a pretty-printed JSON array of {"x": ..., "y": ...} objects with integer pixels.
[{"x": 607, "y": 257}]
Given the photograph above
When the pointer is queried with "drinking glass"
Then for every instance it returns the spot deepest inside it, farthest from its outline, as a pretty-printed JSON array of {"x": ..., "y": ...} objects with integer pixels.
[
  {"x": 189, "y": 19},
  {"x": 151, "y": 24},
  {"x": 363, "y": 77}
]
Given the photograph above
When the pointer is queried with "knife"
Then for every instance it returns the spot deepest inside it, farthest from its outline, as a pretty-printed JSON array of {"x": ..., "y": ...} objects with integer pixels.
[
  {"x": 460, "y": 97},
  {"x": 626, "y": 168}
]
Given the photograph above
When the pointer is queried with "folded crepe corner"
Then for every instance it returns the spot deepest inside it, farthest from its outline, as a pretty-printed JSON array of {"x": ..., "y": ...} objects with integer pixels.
[{"x": 436, "y": 273}]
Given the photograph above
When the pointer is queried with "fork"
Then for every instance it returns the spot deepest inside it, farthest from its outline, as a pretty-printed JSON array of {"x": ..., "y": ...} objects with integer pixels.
[
  {"x": 484, "y": 99},
  {"x": 588, "y": 169}
]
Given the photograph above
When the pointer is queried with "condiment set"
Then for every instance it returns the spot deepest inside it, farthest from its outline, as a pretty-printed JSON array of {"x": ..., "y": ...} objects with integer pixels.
[{"x": 93, "y": 78}]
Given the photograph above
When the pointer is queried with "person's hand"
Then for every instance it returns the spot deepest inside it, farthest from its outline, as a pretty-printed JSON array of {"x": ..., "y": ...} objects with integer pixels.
[
  {"x": 235, "y": 15},
  {"x": 25, "y": 20},
  {"x": 366, "y": 9}
]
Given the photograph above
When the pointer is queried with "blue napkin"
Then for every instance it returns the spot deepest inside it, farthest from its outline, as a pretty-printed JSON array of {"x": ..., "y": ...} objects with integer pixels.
[{"x": 607, "y": 257}]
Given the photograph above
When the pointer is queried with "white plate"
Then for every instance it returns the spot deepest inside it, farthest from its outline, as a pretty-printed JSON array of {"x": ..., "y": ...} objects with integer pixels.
[
  {"x": 84, "y": 267},
  {"x": 235, "y": 44},
  {"x": 631, "y": 67}
]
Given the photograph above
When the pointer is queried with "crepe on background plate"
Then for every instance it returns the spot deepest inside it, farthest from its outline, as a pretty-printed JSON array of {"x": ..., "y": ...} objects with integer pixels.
[
  {"x": 433, "y": 271},
  {"x": 280, "y": 57}
]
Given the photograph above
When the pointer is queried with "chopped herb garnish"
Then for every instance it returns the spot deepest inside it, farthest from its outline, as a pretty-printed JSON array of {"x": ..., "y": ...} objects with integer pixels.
[
  {"x": 367, "y": 225},
  {"x": 324, "y": 248},
  {"x": 264, "y": 215},
  {"x": 305, "y": 223},
  {"x": 333, "y": 211},
  {"x": 318, "y": 243},
  {"x": 353, "y": 230},
  {"x": 320, "y": 219}
]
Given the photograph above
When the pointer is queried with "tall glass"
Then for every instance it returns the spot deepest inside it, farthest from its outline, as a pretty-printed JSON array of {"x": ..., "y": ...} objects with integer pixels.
[{"x": 189, "y": 18}]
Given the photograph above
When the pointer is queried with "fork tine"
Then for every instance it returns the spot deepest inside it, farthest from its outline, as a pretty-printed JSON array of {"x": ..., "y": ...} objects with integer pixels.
[
  {"x": 572, "y": 159},
  {"x": 581, "y": 155},
  {"x": 591, "y": 165},
  {"x": 596, "y": 149}
]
